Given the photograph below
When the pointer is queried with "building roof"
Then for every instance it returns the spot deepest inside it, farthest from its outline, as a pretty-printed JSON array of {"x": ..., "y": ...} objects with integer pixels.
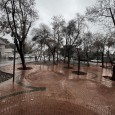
[{"x": 2, "y": 42}]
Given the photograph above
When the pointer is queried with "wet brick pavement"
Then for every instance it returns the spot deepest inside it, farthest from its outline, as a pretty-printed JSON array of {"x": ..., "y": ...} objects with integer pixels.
[{"x": 55, "y": 90}]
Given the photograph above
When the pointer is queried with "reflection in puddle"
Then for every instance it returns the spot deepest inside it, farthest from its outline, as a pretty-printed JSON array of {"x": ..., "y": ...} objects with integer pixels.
[
  {"x": 92, "y": 73},
  {"x": 71, "y": 76},
  {"x": 106, "y": 72},
  {"x": 107, "y": 82},
  {"x": 59, "y": 69}
]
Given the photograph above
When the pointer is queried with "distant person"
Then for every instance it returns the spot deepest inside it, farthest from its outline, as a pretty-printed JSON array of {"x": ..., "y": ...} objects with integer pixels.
[{"x": 35, "y": 58}]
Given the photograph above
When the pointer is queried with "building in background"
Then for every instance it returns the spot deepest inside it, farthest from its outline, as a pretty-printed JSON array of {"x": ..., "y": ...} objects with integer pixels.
[
  {"x": 2, "y": 48},
  {"x": 5, "y": 49}
]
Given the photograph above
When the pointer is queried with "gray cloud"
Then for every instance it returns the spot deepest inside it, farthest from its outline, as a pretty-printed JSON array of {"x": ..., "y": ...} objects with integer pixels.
[{"x": 66, "y": 8}]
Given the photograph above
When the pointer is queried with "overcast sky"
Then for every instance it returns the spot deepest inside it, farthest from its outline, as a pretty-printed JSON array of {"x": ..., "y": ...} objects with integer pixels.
[{"x": 67, "y": 8}]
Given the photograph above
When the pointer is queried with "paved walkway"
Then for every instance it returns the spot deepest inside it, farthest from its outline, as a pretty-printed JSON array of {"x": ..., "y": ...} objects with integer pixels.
[{"x": 55, "y": 90}]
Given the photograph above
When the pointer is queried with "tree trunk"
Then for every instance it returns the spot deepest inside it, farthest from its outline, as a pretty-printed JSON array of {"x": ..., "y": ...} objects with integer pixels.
[
  {"x": 111, "y": 62},
  {"x": 20, "y": 51},
  {"x": 68, "y": 62},
  {"x": 87, "y": 59},
  {"x": 68, "y": 58},
  {"x": 65, "y": 50},
  {"x": 102, "y": 59},
  {"x": 64, "y": 54},
  {"x": 44, "y": 58},
  {"x": 22, "y": 60},
  {"x": 49, "y": 56},
  {"x": 113, "y": 74},
  {"x": 78, "y": 61},
  {"x": 41, "y": 52},
  {"x": 53, "y": 58},
  {"x": 78, "y": 66},
  {"x": 64, "y": 59},
  {"x": 97, "y": 56},
  {"x": 57, "y": 56}
]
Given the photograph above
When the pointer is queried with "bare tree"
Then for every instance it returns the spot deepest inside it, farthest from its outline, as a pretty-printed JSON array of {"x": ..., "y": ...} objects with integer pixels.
[
  {"x": 87, "y": 44},
  {"x": 39, "y": 36},
  {"x": 58, "y": 23},
  {"x": 103, "y": 11},
  {"x": 18, "y": 17},
  {"x": 73, "y": 33},
  {"x": 52, "y": 45},
  {"x": 43, "y": 37}
]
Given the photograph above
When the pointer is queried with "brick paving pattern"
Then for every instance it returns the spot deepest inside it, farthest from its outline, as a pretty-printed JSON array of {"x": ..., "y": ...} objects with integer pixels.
[{"x": 55, "y": 90}]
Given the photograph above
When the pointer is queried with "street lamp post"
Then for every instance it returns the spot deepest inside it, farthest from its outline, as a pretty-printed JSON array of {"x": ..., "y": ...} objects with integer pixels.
[{"x": 14, "y": 61}]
